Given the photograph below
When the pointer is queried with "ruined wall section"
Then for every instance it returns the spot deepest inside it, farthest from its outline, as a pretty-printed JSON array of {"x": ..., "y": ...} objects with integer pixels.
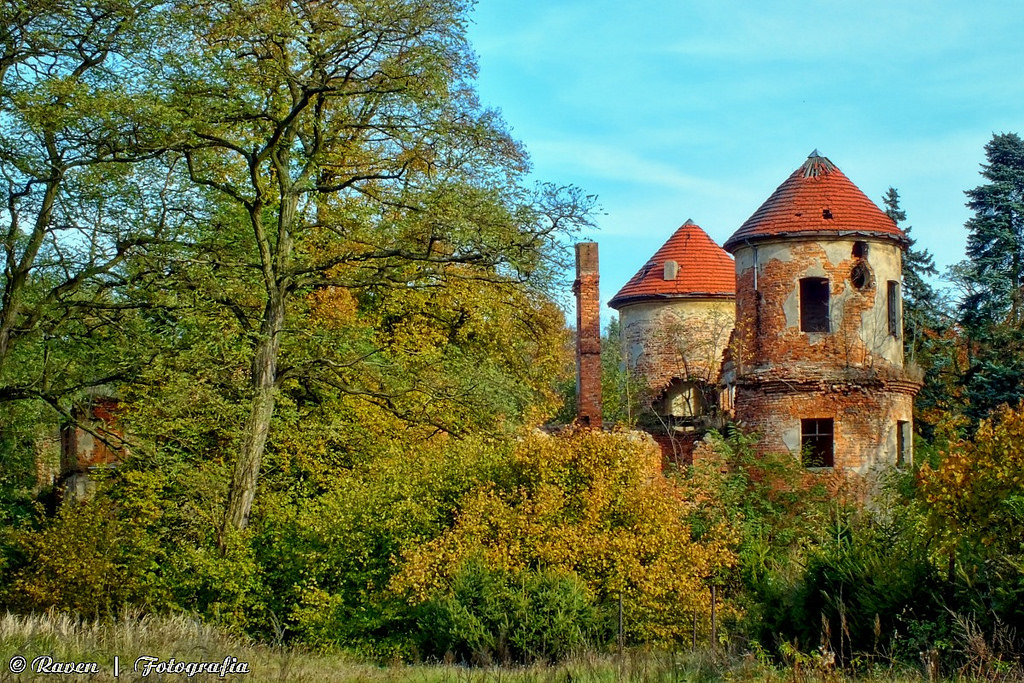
[
  {"x": 769, "y": 340},
  {"x": 852, "y": 374},
  {"x": 866, "y": 417},
  {"x": 676, "y": 339}
]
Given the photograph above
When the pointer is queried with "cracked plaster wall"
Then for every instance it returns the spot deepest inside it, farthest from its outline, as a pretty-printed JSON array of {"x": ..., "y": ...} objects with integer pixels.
[
  {"x": 676, "y": 338},
  {"x": 853, "y": 374}
]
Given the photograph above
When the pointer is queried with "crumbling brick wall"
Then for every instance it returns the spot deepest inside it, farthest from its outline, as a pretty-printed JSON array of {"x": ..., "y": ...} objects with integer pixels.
[
  {"x": 675, "y": 339},
  {"x": 768, "y": 325},
  {"x": 866, "y": 417},
  {"x": 852, "y": 373}
]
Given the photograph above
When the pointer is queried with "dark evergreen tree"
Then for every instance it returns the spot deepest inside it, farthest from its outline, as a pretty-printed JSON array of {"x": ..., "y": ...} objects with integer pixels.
[
  {"x": 927, "y": 326},
  {"x": 995, "y": 245},
  {"x": 919, "y": 297},
  {"x": 992, "y": 309}
]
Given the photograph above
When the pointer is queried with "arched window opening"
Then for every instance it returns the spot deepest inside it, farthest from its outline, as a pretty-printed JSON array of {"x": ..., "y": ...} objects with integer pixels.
[{"x": 682, "y": 399}]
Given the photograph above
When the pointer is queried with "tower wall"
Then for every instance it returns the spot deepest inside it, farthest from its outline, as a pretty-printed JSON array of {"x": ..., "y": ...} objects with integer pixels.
[
  {"x": 866, "y": 417},
  {"x": 793, "y": 369},
  {"x": 676, "y": 338},
  {"x": 769, "y": 335}
]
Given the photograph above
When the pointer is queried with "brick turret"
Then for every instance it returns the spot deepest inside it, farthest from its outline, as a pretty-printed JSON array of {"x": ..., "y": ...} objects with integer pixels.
[
  {"x": 676, "y": 315},
  {"x": 817, "y": 360}
]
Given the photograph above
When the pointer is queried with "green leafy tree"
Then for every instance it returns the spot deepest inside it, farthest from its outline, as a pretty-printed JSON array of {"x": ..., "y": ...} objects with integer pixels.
[
  {"x": 71, "y": 180},
  {"x": 587, "y": 503},
  {"x": 621, "y": 388},
  {"x": 975, "y": 502},
  {"x": 347, "y": 150}
]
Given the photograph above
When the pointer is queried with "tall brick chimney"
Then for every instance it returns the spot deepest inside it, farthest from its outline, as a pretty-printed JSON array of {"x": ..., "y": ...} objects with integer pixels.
[{"x": 588, "y": 337}]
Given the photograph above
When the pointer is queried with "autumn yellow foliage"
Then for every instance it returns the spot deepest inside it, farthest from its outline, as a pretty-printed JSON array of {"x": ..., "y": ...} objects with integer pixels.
[
  {"x": 590, "y": 503},
  {"x": 977, "y": 492}
]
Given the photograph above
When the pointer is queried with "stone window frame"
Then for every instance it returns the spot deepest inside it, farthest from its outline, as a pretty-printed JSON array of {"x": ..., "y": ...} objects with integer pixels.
[
  {"x": 697, "y": 399},
  {"x": 904, "y": 442},
  {"x": 892, "y": 300}
]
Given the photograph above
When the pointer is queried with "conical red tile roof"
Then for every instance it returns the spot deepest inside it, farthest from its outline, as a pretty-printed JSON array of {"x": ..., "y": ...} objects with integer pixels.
[
  {"x": 816, "y": 200},
  {"x": 704, "y": 269}
]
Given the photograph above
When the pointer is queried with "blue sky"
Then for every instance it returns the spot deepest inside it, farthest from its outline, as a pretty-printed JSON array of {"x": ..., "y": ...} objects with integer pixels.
[{"x": 675, "y": 110}]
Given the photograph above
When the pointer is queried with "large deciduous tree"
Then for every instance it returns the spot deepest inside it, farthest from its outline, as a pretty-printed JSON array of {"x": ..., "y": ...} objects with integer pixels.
[
  {"x": 80, "y": 194},
  {"x": 346, "y": 149}
]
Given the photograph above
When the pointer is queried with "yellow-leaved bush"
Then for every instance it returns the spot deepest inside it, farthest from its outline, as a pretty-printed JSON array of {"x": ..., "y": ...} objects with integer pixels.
[
  {"x": 975, "y": 495},
  {"x": 592, "y": 504}
]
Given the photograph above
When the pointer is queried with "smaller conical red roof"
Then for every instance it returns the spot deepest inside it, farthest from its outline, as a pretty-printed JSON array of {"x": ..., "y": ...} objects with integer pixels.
[
  {"x": 703, "y": 270},
  {"x": 816, "y": 200}
]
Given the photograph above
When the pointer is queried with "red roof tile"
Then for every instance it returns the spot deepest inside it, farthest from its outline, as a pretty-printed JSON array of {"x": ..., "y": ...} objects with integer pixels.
[
  {"x": 816, "y": 200},
  {"x": 704, "y": 270}
]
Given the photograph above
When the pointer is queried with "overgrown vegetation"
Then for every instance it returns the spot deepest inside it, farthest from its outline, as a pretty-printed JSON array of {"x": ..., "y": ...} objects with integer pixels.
[{"x": 292, "y": 249}]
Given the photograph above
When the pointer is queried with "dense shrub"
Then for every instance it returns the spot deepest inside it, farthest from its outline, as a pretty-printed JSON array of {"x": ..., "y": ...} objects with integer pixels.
[
  {"x": 497, "y": 615},
  {"x": 588, "y": 503},
  {"x": 862, "y": 591}
]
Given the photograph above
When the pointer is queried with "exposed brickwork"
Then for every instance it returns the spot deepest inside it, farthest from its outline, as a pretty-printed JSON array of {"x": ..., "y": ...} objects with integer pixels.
[
  {"x": 588, "y": 336},
  {"x": 865, "y": 416},
  {"x": 675, "y": 340},
  {"x": 677, "y": 450},
  {"x": 819, "y": 226},
  {"x": 80, "y": 449},
  {"x": 769, "y": 339}
]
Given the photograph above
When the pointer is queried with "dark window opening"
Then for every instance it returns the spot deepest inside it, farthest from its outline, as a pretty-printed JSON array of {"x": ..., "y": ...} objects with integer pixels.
[
  {"x": 895, "y": 324},
  {"x": 814, "y": 304},
  {"x": 860, "y": 276},
  {"x": 860, "y": 250},
  {"x": 816, "y": 442},
  {"x": 903, "y": 443},
  {"x": 826, "y": 213}
]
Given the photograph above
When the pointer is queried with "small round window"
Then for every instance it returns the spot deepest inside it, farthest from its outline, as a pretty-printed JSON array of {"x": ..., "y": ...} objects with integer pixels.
[{"x": 860, "y": 276}]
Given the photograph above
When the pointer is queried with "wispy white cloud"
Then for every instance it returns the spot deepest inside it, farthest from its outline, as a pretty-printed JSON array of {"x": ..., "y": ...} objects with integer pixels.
[
  {"x": 619, "y": 164},
  {"x": 678, "y": 110}
]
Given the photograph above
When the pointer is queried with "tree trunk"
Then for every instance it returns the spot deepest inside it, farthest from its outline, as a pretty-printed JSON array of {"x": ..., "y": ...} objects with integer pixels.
[
  {"x": 16, "y": 275},
  {"x": 257, "y": 425}
]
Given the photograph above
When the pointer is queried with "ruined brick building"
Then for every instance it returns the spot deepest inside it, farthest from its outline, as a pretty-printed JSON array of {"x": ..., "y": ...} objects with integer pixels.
[
  {"x": 799, "y": 337},
  {"x": 676, "y": 315}
]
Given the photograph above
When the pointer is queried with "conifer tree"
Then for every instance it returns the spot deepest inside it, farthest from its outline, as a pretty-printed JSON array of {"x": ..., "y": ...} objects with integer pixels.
[
  {"x": 992, "y": 309},
  {"x": 919, "y": 311},
  {"x": 927, "y": 335},
  {"x": 995, "y": 245}
]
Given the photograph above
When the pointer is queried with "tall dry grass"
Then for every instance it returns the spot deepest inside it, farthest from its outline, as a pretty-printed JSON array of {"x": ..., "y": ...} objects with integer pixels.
[{"x": 68, "y": 638}]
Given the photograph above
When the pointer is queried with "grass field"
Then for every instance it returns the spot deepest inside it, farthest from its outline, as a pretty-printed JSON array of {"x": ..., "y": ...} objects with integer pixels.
[{"x": 68, "y": 639}]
